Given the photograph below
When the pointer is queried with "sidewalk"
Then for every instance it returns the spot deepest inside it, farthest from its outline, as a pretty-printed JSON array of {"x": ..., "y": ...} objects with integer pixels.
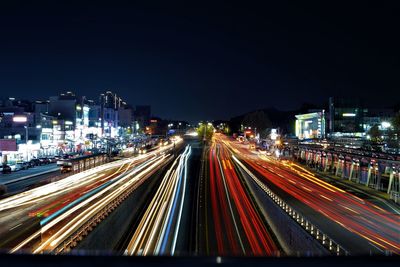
[{"x": 26, "y": 174}]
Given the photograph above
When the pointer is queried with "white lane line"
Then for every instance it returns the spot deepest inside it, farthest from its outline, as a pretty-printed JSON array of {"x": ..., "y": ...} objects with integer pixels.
[
  {"x": 230, "y": 207},
  {"x": 12, "y": 228}
]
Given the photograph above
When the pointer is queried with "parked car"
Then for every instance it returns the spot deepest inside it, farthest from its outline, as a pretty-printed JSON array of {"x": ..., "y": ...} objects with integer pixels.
[
  {"x": 44, "y": 161},
  {"x": 67, "y": 156},
  {"x": 50, "y": 159},
  {"x": 15, "y": 167},
  {"x": 31, "y": 163},
  {"x": 35, "y": 162},
  {"x": 20, "y": 165},
  {"x": 28, "y": 164},
  {"x": 5, "y": 169},
  {"x": 23, "y": 165}
]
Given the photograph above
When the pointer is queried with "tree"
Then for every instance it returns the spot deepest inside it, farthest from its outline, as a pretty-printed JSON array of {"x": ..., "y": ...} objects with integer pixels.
[
  {"x": 375, "y": 134},
  {"x": 394, "y": 135},
  {"x": 257, "y": 120},
  {"x": 205, "y": 129},
  {"x": 396, "y": 124}
]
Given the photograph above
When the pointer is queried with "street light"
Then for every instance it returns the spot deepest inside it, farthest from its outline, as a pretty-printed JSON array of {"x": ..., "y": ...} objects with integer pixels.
[
  {"x": 23, "y": 119},
  {"x": 386, "y": 124},
  {"x": 26, "y": 142},
  {"x": 26, "y": 134}
]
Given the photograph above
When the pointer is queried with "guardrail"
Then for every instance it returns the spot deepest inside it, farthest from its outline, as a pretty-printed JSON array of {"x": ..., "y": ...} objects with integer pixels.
[
  {"x": 85, "y": 229},
  {"x": 312, "y": 229}
]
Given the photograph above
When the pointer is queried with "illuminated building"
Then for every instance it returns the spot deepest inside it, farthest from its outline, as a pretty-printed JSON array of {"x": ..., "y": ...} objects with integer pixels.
[
  {"x": 109, "y": 120},
  {"x": 157, "y": 126},
  {"x": 310, "y": 125},
  {"x": 346, "y": 116}
]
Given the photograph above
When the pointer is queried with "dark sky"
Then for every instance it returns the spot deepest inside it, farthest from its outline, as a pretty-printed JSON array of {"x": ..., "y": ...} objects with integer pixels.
[{"x": 213, "y": 60}]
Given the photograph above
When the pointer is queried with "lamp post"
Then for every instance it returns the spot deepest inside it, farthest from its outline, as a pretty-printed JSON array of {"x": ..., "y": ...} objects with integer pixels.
[
  {"x": 168, "y": 128},
  {"x": 26, "y": 142},
  {"x": 23, "y": 119},
  {"x": 205, "y": 132},
  {"x": 26, "y": 134}
]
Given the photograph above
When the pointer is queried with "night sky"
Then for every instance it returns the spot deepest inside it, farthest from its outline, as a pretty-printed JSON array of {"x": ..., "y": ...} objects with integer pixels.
[{"x": 209, "y": 61}]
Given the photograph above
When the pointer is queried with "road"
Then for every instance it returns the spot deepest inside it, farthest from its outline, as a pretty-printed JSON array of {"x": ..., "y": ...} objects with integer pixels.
[
  {"x": 63, "y": 207},
  {"x": 228, "y": 220},
  {"x": 215, "y": 215},
  {"x": 26, "y": 179},
  {"x": 362, "y": 192},
  {"x": 160, "y": 227},
  {"x": 358, "y": 225}
]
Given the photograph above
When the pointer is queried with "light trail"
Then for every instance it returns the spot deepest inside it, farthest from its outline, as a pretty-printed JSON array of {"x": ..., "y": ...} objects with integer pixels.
[
  {"x": 361, "y": 217},
  {"x": 159, "y": 228},
  {"x": 71, "y": 202},
  {"x": 239, "y": 229}
]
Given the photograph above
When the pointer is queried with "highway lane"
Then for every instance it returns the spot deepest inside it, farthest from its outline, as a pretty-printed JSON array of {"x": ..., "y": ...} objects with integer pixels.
[
  {"x": 160, "y": 227},
  {"x": 27, "y": 179},
  {"x": 388, "y": 205},
  {"x": 30, "y": 183},
  {"x": 23, "y": 174},
  {"x": 47, "y": 201},
  {"x": 70, "y": 221},
  {"x": 39, "y": 204},
  {"x": 359, "y": 226},
  {"x": 229, "y": 223}
]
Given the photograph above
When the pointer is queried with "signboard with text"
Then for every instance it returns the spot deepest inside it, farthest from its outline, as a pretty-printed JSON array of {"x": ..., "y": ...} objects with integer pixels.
[{"x": 8, "y": 145}]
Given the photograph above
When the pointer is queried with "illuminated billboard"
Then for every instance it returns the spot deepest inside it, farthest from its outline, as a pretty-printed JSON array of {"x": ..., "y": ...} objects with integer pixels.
[{"x": 8, "y": 145}]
